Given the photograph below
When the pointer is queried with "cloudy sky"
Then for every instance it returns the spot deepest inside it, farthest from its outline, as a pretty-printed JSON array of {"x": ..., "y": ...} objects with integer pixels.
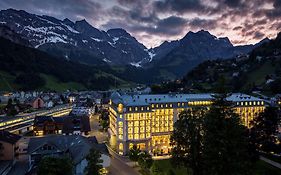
[{"x": 154, "y": 21}]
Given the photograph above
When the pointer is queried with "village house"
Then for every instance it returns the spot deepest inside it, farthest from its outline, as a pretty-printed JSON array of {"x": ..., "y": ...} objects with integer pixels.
[
  {"x": 35, "y": 102},
  {"x": 67, "y": 125},
  {"x": 75, "y": 147}
]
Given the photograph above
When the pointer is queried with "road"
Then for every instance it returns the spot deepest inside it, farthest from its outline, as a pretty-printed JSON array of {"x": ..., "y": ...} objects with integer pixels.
[{"x": 118, "y": 164}]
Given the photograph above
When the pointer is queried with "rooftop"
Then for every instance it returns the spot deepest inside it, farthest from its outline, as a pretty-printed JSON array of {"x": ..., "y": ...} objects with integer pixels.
[
  {"x": 143, "y": 100},
  {"x": 8, "y": 137}
]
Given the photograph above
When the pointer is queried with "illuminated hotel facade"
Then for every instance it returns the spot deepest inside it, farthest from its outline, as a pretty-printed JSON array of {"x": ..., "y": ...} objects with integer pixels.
[{"x": 148, "y": 120}]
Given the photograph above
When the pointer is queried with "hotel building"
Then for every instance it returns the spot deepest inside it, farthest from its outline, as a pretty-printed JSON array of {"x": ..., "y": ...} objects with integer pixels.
[{"x": 148, "y": 120}]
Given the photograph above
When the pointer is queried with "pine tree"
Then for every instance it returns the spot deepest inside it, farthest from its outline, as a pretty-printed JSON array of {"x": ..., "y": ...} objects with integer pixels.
[
  {"x": 264, "y": 131},
  {"x": 225, "y": 142},
  {"x": 94, "y": 162},
  {"x": 187, "y": 140}
]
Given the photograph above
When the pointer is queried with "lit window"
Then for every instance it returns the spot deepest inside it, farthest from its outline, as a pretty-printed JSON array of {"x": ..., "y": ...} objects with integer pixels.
[
  {"x": 136, "y": 136},
  {"x": 152, "y": 105},
  {"x": 136, "y": 108},
  {"x": 121, "y": 116},
  {"x": 121, "y": 146},
  {"x": 171, "y": 105},
  {"x": 142, "y": 108},
  {"x": 120, "y": 124},
  {"x": 130, "y": 109},
  {"x": 147, "y": 108}
]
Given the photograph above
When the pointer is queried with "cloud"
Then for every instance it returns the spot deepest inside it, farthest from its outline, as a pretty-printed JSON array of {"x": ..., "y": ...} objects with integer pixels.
[
  {"x": 180, "y": 6},
  {"x": 153, "y": 21}
]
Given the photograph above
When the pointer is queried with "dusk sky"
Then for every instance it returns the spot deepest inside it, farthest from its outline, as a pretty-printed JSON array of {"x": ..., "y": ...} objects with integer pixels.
[{"x": 154, "y": 21}]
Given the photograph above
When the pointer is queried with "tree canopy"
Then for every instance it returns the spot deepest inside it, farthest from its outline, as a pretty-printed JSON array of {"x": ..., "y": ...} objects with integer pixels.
[
  {"x": 94, "y": 163},
  {"x": 55, "y": 166}
]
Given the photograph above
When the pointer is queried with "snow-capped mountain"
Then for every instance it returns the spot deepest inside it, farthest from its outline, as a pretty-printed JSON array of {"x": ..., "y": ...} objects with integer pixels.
[
  {"x": 81, "y": 42},
  {"x": 78, "y": 41}
]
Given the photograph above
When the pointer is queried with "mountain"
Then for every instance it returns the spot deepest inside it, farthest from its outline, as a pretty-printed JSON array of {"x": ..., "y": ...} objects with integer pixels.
[
  {"x": 11, "y": 35},
  {"x": 260, "y": 70},
  {"x": 183, "y": 55},
  {"x": 25, "y": 68},
  {"x": 115, "y": 50},
  {"x": 76, "y": 41}
]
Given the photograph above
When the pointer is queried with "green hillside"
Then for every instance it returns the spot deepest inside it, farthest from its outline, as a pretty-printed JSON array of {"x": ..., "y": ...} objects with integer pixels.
[
  {"x": 258, "y": 71},
  {"x": 24, "y": 68}
]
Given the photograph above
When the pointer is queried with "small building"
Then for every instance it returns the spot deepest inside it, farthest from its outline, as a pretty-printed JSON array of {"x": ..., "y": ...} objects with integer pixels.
[
  {"x": 67, "y": 125},
  {"x": 75, "y": 147},
  {"x": 8, "y": 145},
  {"x": 44, "y": 125},
  {"x": 76, "y": 125},
  {"x": 35, "y": 102},
  {"x": 49, "y": 104}
]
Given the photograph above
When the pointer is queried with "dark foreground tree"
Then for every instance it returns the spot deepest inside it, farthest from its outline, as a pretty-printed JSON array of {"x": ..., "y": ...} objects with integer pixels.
[
  {"x": 94, "y": 163},
  {"x": 134, "y": 153},
  {"x": 55, "y": 166},
  {"x": 225, "y": 141},
  {"x": 145, "y": 160},
  {"x": 264, "y": 131},
  {"x": 187, "y": 140}
]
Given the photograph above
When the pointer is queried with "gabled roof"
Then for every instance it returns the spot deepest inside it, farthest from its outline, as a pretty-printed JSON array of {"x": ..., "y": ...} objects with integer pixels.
[
  {"x": 8, "y": 137},
  {"x": 77, "y": 146}
]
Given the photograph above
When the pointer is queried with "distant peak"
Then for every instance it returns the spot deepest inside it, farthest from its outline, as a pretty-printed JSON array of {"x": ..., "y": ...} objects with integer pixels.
[
  {"x": 203, "y": 32},
  {"x": 118, "y": 32},
  {"x": 83, "y": 21},
  {"x": 67, "y": 20}
]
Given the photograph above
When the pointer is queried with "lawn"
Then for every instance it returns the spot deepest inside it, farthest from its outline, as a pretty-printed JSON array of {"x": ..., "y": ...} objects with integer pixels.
[
  {"x": 54, "y": 84},
  {"x": 166, "y": 166},
  {"x": 258, "y": 76},
  {"x": 261, "y": 168},
  {"x": 6, "y": 81}
]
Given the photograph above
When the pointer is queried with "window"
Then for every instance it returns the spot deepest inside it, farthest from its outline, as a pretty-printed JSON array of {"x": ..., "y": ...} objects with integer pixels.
[
  {"x": 121, "y": 146},
  {"x": 120, "y": 124},
  {"x": 136, "y": 136}
]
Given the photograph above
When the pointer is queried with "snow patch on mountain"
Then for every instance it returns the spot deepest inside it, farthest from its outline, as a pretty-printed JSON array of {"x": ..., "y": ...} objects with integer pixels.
[
  {"x": 96, "y": 39},
  {"x": 138, "y": 64},
  {"x": 52, "y": 39},
  {"x": 106, "y": 60},
  {"x": 70, "y": 28},
  {"x": 150, "y": 54}
]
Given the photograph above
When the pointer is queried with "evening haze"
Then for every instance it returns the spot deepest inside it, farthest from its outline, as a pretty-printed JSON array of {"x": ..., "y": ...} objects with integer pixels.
[{"x": 154, "y": 21}]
